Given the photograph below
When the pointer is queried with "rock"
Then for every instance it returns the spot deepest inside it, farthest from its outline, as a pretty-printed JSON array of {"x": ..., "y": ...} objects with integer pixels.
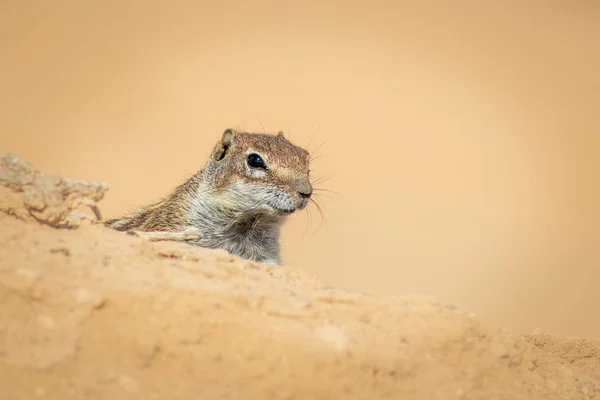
[{"x": 28, "y": 194}]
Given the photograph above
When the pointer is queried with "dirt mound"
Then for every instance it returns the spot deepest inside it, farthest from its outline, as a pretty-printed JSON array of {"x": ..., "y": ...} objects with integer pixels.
[{"x": 96, "y": 314}]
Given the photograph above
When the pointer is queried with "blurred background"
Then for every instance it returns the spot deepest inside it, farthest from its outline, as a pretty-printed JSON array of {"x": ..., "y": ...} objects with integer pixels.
[{"x": 462, "y": 138}]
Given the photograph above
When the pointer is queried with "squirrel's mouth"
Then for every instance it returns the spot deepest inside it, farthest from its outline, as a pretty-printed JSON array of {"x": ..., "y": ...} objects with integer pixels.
[
  {"x": 282, "y": 211},
  {"x": 284, "y": 204},
  {"x": 288, "y": 211}
]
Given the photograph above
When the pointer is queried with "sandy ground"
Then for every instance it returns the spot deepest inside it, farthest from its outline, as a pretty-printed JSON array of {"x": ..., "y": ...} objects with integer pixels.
[
  {"x": 91, "y": 313},
  {"x": 96, "y": 314}
]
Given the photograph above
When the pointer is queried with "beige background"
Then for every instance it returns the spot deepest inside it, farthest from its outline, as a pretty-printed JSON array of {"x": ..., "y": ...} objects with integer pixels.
[{"x": 462, "y": 140}]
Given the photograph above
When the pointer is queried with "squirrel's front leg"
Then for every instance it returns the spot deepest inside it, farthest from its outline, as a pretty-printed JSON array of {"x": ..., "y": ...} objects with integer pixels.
[{"x": 188, "y": 234}]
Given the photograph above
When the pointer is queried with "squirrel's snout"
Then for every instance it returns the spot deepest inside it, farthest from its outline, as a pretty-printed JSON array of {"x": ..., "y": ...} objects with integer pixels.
[{"x": 304, "y": 188}]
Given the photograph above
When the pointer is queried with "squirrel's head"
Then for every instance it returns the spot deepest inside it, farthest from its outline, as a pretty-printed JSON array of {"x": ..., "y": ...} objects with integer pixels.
[{"x": 260, "y": 172}]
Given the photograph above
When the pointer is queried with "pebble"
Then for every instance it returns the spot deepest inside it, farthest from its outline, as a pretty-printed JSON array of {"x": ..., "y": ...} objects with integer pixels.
[
  {"x": 85, "y": 296},
  {"x": 334, "y": 336},
  {"x": 302, "y": 302},
  {"x": 532, "y": 366}
]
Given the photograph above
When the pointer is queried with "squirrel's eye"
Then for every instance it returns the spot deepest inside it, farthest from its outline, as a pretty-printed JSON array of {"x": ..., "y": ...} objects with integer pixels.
[{"x": 256, "y": 161}]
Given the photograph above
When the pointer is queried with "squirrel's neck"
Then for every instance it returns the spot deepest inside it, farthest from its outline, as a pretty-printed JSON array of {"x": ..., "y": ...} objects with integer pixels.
[{"x": 250, "y": 234}]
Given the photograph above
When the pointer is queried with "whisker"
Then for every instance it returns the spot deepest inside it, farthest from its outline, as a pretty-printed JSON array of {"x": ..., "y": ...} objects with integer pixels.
[
  {"x": 312, "y": 159},
  {"x": 308, "y": 221},
  {"x": 318, "y": 147},
  {"x": 322, "y": 179},
  {"x": 328, "y": 191},
  {"x": 312, "y": 137},
  {"x": 318, "y": 196},
  {"x": 323, "y": 218}
]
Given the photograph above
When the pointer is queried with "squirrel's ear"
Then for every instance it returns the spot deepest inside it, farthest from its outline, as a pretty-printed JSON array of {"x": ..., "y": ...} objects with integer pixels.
[
  {"x": 280, "y": 135},
  {"x": 227, "y": 138},
  {"x": 221, "y": 148}
]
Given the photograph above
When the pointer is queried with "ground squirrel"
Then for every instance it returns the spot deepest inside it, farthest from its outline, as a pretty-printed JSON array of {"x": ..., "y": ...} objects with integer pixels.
[{"x": 237, "y": 202}]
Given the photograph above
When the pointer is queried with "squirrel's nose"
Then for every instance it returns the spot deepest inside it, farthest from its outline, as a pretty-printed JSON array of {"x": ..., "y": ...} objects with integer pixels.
[{"x": 304, "y": 188}]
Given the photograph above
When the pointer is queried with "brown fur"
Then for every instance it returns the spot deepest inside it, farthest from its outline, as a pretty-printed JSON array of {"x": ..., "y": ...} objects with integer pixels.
[
  {"x": 167, "y": 215},
  {"x": 286, "y": 156}
]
